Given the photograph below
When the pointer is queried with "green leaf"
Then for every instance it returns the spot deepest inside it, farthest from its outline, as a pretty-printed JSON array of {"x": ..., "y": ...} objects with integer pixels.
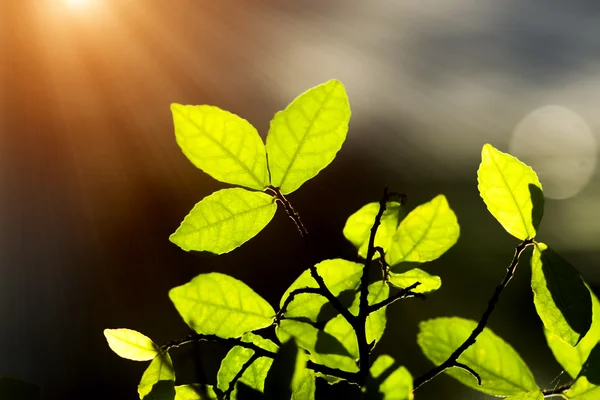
[
  {"x": 376, "y": 322},
  {"x": 339, "y": 275},
  {"x": 162, "y": 390},
  {"x": 358, "y": 227},
  {"x": 500, "y": 367},
  {"x": 130, "y": 344},
  {"x": 304, "y": 385},
  {"x": 223, "y": 145},
  {"x": 533, "y": 395},
  {"x": 561, "y": 299},
  {"x": 429, "y": 283},
  {"x": 217, "y": 304},
  {"x": 255, "y": 375},
  {"x": 324, "y": 348},
  {"x": 195, "y": 391},
  {"x": 16, "y": 389},
  {"x": 511, "y": 191},
  {"x": 425, "y": 234},
  {"x": 160, "y": 369},
  {"x": 288, "y": 377},
  {"x": 388, "y": 381},
  {"x": 305, "y": 137},
  {"x": 583, "y": 390},
  {"x": 224, "y": 220}
]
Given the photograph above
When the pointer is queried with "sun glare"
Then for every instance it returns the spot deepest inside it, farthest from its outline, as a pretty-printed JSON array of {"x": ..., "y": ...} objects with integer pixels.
[{"x": 77, "y": 3}]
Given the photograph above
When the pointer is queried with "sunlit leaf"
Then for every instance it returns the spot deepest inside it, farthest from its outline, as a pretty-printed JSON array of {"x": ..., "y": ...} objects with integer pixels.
[
  {"x": 500, "y": 367},
  {"x": 323, "y": 348},
  {"x": 388, "y": 381},
  {"x": 160, "y": 369},
  {"x": 15, "y": 389},
  {"x": 533, "y": 395},
  {"x": 572, "y": 358},
  {"x": 511, "y": 191},
  {"x": 195, "y": 391},
  {"x": 583, "y": 390},
  {"x": 130, "y": 344},
  {"x": 561, "y": 299},
  {"x": 223, "y": 145},
  {"x": 220, "y": 305},
  {"x": 233, "y": 362},
  {"x": 339, "y": 276},
  {"x": 343, "y": 331},
  {"x": 304, "y": 385},
  {"x": 288, "y": 377},
  {"x": 358, "y": 227},
  {"x": 425, "y": 234},
  {"x": 305, "y": 137},
  {"x": 224, "y": 220},
  {"x": 428, "y": 282}
]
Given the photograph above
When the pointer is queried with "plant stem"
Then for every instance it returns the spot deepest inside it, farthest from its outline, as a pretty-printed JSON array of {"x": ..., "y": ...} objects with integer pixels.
[
  {"x": 452, "y": 361},
  {"x": 557, "y": 390},
  {"x": 402, "y": 294}
]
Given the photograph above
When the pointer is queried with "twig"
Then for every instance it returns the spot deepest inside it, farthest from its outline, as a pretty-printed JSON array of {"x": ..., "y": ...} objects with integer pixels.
[
  {"x": 452, "y": 360},
  {"x": 402, "y": 294},
  {"x": 385, "y": 267},
  {"x": 557, "y": 390},
  {"x": 335, "y": 302},
  {"x": 290, "y": 298},
  {"x": 239, "y": 374},
  {"x": 469, "y": 370}
]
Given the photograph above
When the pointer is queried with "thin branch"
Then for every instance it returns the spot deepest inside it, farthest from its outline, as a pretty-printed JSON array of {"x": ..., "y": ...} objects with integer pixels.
[
  {"x": 239, "y": 374},
  {"x": 557, "y": 390},
  {"x": 385, "y": 267},
  {"x": 402, "y": 294},
  {"x": 338, "y": 373},
  {"x": 469, "y": 370},
  {"x": 364, "y": 348},
  {"x": 290, "y": 298},
  {"x": 335, "y": 302},
  {"x": 452, "y": 360}
]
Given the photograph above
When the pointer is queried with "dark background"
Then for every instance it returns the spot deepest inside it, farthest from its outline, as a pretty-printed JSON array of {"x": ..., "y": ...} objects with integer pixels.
[{"x": 93, "y": 183}]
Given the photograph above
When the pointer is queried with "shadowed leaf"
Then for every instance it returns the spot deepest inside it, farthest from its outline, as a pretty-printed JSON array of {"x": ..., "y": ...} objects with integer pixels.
[
  {"x": 388, "y": 381},
  {"x": 160, "y": 369},
  {"x": 583, "y": 390}
]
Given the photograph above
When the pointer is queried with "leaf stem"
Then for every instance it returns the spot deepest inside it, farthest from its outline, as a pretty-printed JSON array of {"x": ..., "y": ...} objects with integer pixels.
[
  {"x": 452, "y": 361},
  {"x": 290, "y": 298},
  {"x": 402, "y": 294},
  {"x": 557, "y": 391}
]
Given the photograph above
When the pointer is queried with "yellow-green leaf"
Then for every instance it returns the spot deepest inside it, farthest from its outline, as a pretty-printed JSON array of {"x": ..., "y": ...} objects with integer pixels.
[
  {"x": 572, "y": 358},
  {"x": 195, "y": 391},
  {"x": 388, "y": 381},
  {"x": 583, "y": 390},
  {"x": 533, "y": 395},
  {"x": 324, "y": 348},
  {"x": 429, "y": 283},
  {"x": 358, "y": 227},
  {"x": 255, "y": 375},
  {"x": 130, "y": 344},
  {"x": 223, "y": 145},
  {"x": 561, "y": 299},
  {"x": 288, "y": 377},
  {"x": 340, "y": 276},
  {"x": 511, "y": 191},
  {"x": 305, "y": 137},
  {"x": 160, "y": 369},
  {"x": 502, "y": 371},
  {"x": 225, "y": 220},
  {"x": 425, "y": 234},
  {"x": 217, "y": 304}
]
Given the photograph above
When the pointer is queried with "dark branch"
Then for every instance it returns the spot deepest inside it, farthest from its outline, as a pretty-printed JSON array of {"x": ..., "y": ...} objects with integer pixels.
[
  {"x": 469, "y": 370},
  {"x": 239, "y": 374},
  {"x": 557, "y": 390},
  {"x": 338, "y": 373},
  {"x": 385, "y": 267},
  {"x": 452, "y": 360},
  {"x": 402, "y": 294},
  {"x": 292, "y": 295}
]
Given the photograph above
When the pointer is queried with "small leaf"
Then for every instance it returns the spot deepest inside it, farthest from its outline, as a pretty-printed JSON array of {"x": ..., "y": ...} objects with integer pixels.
[
  {"x": 217, "y": 304},
  {"x": 160, "y": 369},
  {"x": 429, "y": 283},
  {"x": 583, "y": 390},
  {"x": 224, "y": 220},
  {"x": 388, "y": 381},
  {"x": 255, "y": 375},
  {"x": 561, "y": 299},
  {"x": 223, "y": 145},
  {"x": 305, "y": 137},
  {"x": 511, "y": 191},
  {"x": 195, "y": 391},
  {"x": 500, "y": 367},
  {"x": 16, "y": 389},
  {"x": 358, "y": 227},
  {"x": 533, "y": 395},
  {"x": 425, "y": 234},
  {"x": 572, "y": 358},
  {"x": 130, "y": 344},
  {"x": 323, "y": 348},
  {"x": 376, "y": 322},
  {"x": 339, "y": 276}
]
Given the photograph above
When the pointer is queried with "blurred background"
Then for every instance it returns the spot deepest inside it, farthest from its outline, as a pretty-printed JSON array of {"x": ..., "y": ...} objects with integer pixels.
[{"x": 93, "y": 183}]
